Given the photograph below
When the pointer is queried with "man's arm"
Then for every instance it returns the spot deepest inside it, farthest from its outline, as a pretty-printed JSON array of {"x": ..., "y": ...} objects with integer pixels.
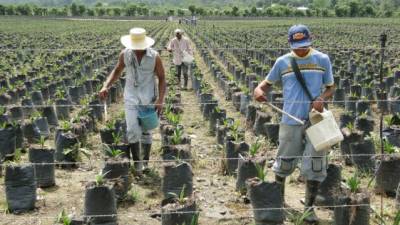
[
  {"x": 114, "y": 75},
  {"x": 170, "y": 46},
  {"x": 261, "y": 89},
  {"x": 162, "y": 84}
]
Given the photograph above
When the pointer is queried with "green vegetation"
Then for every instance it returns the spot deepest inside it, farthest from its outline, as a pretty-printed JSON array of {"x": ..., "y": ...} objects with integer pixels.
[{"x": 234, "y": 8}]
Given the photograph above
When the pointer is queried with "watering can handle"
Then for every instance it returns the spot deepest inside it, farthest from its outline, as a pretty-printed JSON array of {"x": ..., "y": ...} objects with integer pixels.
[{"x": 287, "y": 114}]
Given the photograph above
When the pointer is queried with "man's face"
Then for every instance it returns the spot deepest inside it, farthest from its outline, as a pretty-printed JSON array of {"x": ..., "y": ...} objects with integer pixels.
[
  {"x": 178, "y": 35},
  {"x": 302, "y": 51}
]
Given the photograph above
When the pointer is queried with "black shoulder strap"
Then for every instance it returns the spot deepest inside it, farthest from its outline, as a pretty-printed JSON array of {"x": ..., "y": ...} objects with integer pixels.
[{"x": 300, "y": 78}]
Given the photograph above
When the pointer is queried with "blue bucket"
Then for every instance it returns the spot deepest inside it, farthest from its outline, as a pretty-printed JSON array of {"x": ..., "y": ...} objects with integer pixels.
[{"x": 148, "y": 118}]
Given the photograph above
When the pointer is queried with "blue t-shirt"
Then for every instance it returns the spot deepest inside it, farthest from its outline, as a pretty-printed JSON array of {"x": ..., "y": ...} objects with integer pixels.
[{"x": 317, "y": 72}]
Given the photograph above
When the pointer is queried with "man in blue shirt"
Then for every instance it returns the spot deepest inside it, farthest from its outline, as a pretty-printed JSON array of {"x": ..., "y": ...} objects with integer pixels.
[{"x": 316, "y": 70}]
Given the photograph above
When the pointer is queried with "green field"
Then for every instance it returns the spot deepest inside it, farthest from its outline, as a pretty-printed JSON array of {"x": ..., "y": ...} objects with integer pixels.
[{"x": 53, "y": 69}]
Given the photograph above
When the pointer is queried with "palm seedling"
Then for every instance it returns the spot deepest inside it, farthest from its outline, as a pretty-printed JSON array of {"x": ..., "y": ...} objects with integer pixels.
[
  {"x": 66, "y": 125},
  {"x": 76, "y": 151},
  {"x": 389, "y": 148},
  {"x": 99, "y": 178},
  {"x": 261, "y": 174},
  {"x": 177, "y": 136},
  {"x": 354, "y": 183},
  {"x": 112, "y": 152},
  {"x": 63, "y": 218},
  {"x": 110, "y": 124},
  {"x": 173, "y": 118},
  {"x": 117, "y": 137},
  {"x": 255, "y": 147}
]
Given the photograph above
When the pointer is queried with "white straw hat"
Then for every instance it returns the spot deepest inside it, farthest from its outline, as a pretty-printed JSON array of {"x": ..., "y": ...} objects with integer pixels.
[
  {"x": 179, "y": 31},
  {"x": 137, "y": 39}
]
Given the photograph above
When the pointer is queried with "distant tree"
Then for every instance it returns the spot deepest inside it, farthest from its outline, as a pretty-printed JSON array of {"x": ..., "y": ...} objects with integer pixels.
[
  {"x": 171, "y": 12},
  {"x": 368, "y": 10},
  {"x": 74, "y": 9},
  {"x": 99, "y": 4},
  {"x": 254, "y": 11},
  {"x": 192, "y": 9},
  {"x": 200, "y": 11},
  {"x": 235, "y": 11},
  {"x": 342, "y": 10},
  {"x": 109, "y": 11},
  {"x": 131, "y": 10},
  {"x": 325, "y": 12},
  {"x": 299, "y": 13},
  {"x": 24, "y": 10},
  {"x": 117, "y": 11},
  {"x": 2, "y": 10},
  {"x": 91, "y": 12},
  {"x": 144, "y": 11},
  {"x": 354, "y": 8},
  {"x": 333, "y": 3},
  {"x": 81, "y": 9},
  {"x": 181, "y": 12},
  {"x": 100, "y": 11}
]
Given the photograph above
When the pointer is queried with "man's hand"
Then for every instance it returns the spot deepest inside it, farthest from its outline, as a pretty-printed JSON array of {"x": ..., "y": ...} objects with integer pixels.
[
  {"x": 159, "y": 104},
  {"x": 103, "y": 93},
  {"x": 318, "y": 104},
  {"x": 259, "y": 95}
]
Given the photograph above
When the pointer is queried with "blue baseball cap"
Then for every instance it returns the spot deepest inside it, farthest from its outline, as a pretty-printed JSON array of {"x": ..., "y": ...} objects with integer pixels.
[{"x": 299, "y": 36}]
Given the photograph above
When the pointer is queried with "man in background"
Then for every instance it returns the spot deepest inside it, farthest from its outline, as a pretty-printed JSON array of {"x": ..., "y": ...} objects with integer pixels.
[{"x": 180, "y": 45}]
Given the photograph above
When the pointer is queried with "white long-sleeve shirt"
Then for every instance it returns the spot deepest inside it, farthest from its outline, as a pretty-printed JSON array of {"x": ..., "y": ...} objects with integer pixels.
[{"x": 178, "y": 46}]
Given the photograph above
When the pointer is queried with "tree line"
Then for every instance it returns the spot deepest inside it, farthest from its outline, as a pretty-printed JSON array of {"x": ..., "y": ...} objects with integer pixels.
[{"x": 317, "y": 8}]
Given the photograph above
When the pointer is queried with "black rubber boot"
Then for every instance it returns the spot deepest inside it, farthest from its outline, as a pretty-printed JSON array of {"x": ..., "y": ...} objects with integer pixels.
[
  {"x": 146, "y": 148},
  {"x": 185, "y": 80},
  {"x": 311, "y": 194},
  {"x": 282, "y": 181},
  {"x": 135, "y": 151}
]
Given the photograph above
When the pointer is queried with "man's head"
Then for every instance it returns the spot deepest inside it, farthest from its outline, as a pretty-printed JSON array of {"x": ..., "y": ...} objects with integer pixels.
[
  {"x": 299, "y": 38},
  {"x": 178, "y": 33}
]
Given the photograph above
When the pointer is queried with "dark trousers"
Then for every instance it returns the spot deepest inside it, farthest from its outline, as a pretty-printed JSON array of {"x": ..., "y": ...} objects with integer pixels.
[{"x": 182, "y": 69}]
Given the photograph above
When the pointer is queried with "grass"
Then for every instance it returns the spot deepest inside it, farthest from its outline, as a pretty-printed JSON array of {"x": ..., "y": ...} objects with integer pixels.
[
  {"x": 63, "y": 218},
  {"x": 354, "y": 183},
  {"x": 133, "y": 196}
]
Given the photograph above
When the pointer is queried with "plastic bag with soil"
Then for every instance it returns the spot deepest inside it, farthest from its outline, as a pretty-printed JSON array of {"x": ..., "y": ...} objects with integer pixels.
[
  {"x": 65, "y": 141},
  {"x": 44, "y": 166},
  {"x": 175, "y": 152},
  {"x": 51, "y": 115},
  {"x": 329, "y": 189},
  {"x": 176, "y": 213},
  {"x": 352, "y": 214},
  {"x": 37, "y": 98},
  {"x": 251, "y": 114},
  {"x": 221, "y": 134},
  {"x": 216, "y": 117},
  {"x": 7, "y": 141},
  {"x": 43, "y": 126},
  {"x": 261, "y": 119},
  {"x": 387, "y": 174},
  {"x": 117, "y": 172},
  {"x": 31, "y": 132},
  {"x": 362, "y": 155},
  {"x": 177, "y": 177},
  {"x": 16, "y": 113},
  {"x": 19, "y": 140},
  {"x": 264, "y": 195},
  {"x": 232, "y": 151},
  {"x": 209, "y": 108},
  {"x": 349, "y": 138},
  {"x": 106, "y": 135},
  {"x": 20, "y": 188},
  {"x": 62, "y": 110},
  {"x": 272, "y": 132},
  {"x": 100, "y": 205},
  {"x": 247, "y": 168}
]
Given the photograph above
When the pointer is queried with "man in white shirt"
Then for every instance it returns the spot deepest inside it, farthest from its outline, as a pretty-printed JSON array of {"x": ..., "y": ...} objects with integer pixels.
[{"x": 178, "y": 45}]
